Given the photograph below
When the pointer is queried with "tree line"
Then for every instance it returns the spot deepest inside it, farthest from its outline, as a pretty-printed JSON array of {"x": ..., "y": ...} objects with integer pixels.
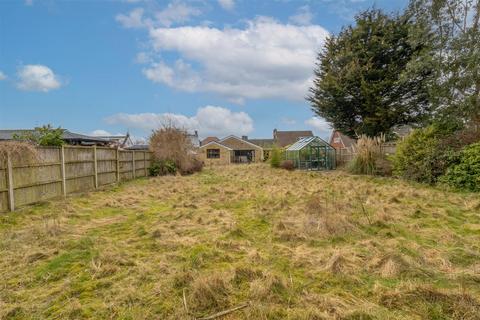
[{"x": 417, "y": 67}]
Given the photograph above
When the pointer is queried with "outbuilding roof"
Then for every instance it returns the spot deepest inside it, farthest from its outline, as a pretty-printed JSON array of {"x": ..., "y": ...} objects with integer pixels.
[
  {"x": 305, "y": 141},
  {"x": 67, "y": 135}
]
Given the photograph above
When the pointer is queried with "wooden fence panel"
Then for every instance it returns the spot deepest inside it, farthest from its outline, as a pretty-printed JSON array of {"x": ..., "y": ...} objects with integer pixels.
[
  {"x": 106, "y": 166},
  {"x": 148, "y": 160},
  {"x": 3, "y": 187},
  {"x": 140, "y": 169},
  {"x": 38, "y": 179},
  {"x": 79, "y": 169},
  {"x": 126, "y": 165}
]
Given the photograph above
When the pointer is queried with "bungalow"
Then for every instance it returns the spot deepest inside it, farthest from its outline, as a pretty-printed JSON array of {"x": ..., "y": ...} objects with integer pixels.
[
  {"x": 281, "y": 139},
  {"x": 231, "y": 149}
]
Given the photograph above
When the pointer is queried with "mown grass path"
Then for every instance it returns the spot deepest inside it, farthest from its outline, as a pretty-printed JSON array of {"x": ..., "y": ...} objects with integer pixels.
[{"x": 295, "y": 245}]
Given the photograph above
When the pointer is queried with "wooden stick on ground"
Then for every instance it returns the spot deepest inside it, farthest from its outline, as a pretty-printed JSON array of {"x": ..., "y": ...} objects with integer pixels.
[
  {"x": 185, "y": 301},
  {"x": 223, "y": 313}
]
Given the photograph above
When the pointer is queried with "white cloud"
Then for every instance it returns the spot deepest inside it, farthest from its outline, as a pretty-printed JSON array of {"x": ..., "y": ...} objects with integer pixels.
[
  {"x": 2, "y": 76},
  {"x": 100, "y": 132},
  {"x": 319, "y": 125},
  {"x": 36, "y": 77},
  {"x": 227, "y": 4},
  {"x": 174, "y": 13},
  {"x": 303, "y": 16},
  {"x": 143, "y": 57},
  {"x": 266, "y": 59},
  {"x": 209, "y": 120},
  {"x": 133, "y": 20},
  {"x": 288, "y": 121}
]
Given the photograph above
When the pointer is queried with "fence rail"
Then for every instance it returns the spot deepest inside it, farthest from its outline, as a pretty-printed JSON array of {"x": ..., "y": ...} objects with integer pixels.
[{"x": 59, "y": 171}]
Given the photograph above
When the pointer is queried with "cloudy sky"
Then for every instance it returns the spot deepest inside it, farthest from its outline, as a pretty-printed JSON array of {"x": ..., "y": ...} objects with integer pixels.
[{"x": 221, "y": 66}]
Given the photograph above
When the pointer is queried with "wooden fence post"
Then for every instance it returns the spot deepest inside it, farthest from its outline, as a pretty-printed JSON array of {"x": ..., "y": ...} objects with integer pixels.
[
  {"x": 118, "y": 165},
  {"x": 62, "y": 171},
  {"x": 133, "y": 164},
  {"x": 11, "y": 196},
  {"x": 95, "y": 166}
]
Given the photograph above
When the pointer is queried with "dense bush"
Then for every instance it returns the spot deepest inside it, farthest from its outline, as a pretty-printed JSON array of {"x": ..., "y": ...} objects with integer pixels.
[
  {"x": 172, "y": 147},
  {"x": 43, "y": 136},
  {"x": 423, "y": 156},
  {"x": 287, "y": 165},
  {"x": 162, "y": 167},
  {"x": 466, "y": 173},
  {"x": 275, "y": 158}
]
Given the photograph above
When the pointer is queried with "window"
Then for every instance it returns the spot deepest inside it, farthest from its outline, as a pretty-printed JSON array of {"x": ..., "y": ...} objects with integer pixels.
[
  {"x": 213, "y": 153},
  {"x": 336, "y": 140}
]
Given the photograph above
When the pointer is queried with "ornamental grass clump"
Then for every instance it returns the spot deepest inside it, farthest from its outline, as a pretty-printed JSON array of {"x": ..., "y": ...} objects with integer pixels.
[{"x": 369, "y": 156}]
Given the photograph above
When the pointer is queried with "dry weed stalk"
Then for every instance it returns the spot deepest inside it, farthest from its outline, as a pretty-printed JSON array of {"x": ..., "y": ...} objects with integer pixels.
[{"x": 17, "y": 150}]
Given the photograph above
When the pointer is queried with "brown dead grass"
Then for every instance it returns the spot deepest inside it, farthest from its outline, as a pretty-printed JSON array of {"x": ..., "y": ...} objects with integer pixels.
[{"x": 294, "y": 245}]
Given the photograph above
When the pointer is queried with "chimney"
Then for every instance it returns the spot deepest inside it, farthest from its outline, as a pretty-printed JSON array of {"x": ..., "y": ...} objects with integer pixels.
[
  {"x": 275, "y": 134},
  {"x": 245, "y": 138},
  {"x": 196, "y": 133}
]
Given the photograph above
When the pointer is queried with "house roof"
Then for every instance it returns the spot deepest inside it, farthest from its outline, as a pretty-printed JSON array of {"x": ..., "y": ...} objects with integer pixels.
[
  {"x": 263, "y": 143},
  {"x": 346, "y": 140},
  {"x": 67, "y": 135},
  {"x": 212, "y": 143},
  {"x": 285, "y": 138},
  {"x": 208, "y": 139},
  {"x": 305, "y": 141},
  {"x": 237, "y": 138}
]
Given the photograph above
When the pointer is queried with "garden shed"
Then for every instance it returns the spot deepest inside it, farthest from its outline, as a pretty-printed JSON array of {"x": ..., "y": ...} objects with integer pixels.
[{"x": 311, "y": 153}]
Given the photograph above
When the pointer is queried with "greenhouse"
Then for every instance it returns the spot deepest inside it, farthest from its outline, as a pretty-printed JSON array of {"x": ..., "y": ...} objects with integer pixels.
[{"x": 311, "y": 153}]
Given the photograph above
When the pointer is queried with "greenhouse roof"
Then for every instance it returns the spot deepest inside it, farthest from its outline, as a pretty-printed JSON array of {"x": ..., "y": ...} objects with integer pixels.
[{"x": 305, "y": 141}]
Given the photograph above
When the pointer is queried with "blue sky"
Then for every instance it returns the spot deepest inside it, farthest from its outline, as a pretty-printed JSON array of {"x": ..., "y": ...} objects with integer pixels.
[{"x": 221, "y": 67}]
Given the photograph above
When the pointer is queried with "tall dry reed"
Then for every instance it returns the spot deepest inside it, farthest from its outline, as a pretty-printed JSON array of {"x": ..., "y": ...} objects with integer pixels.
[{"x": 368, "y": 155}]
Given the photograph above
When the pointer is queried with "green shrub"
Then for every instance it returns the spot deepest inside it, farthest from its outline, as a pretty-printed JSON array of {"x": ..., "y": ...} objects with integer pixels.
[
  {"x": 275, "y": 158},
  {"x": 423, "y": 156},
  {"x": 43, "y": 136},
  {"x": 466, "y": 173},
  {"x": 162, "y": 167}
]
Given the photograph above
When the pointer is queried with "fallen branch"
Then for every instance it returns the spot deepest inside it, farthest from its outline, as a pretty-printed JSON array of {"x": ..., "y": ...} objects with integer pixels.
[
  {"x": 223, "y": 313},
  {"x": 185, "y": 301}
]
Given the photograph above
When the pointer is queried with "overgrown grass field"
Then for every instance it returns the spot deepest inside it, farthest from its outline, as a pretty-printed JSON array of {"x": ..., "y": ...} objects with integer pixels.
[{"x": 290, "y": 245}]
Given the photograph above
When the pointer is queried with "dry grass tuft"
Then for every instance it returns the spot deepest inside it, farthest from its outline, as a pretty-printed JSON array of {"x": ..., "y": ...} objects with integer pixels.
[
  {"x": 433, "y": 303},
  {"x": 297, "y": 245},
  {"x": 339, "y": 263},
  {"x": 391, "y": 265},
  {"x": 270, "y": 287},
  {"x": 246, "y": 274},
  {"x": 210, "y": 293}
]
